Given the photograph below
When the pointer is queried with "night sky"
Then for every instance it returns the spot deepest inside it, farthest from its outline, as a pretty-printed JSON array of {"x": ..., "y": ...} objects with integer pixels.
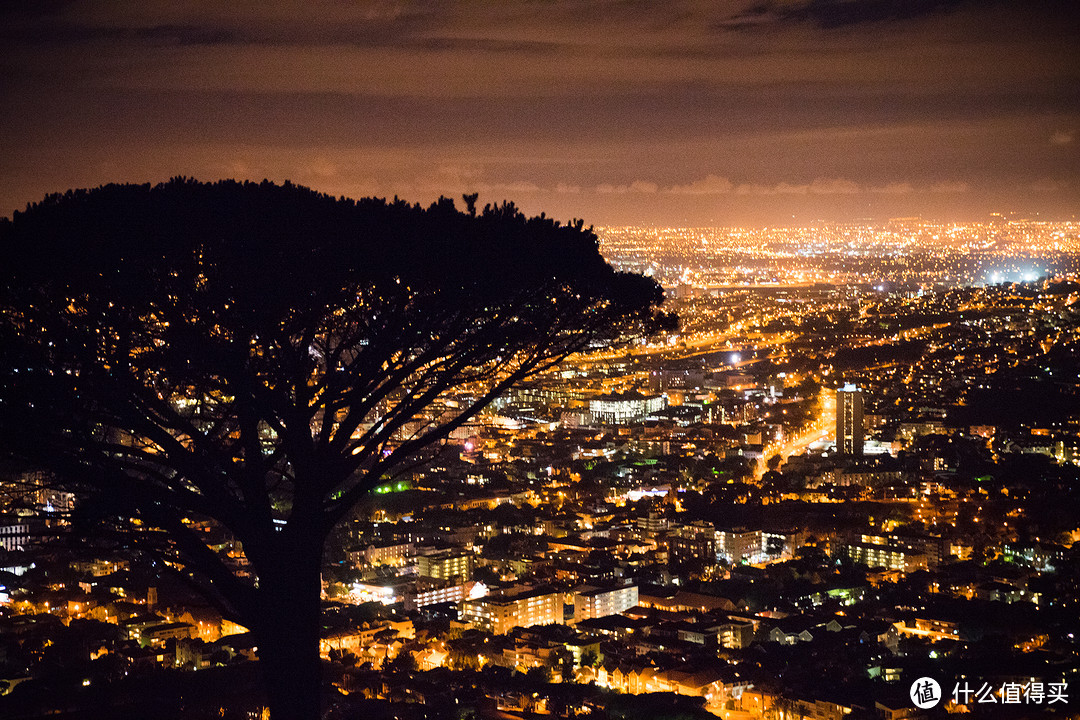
[{"x": 618, "y": 112}]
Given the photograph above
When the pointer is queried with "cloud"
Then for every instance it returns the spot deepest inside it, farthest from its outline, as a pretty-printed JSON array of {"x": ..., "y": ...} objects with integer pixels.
[
  {"x": 708, "y": 185},
  {"x": 783, "y": 188},
  {"x": 837, "y": 186},
  {"x": 755, "y": 189},
  {"x": 820, "y": 186},
  {"x": 423, "y": 98},
  {"x": 830, "y": 14},
  {"x": 949, "y": 188},
  {"x": 518, "y": 186},
  {"x": 842, "y": 186},
  {"x": 453, "y": 180},
  {"x": 894, "y": 188},
  {"x": 321, "y": 167},
  {"x": 1062, "y": 137},
  {"x": 638, "y": 186},
  {"x": 1046, "y": 185}
]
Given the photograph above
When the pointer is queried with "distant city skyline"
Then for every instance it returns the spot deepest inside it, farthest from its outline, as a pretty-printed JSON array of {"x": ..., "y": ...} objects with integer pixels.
[{"x": 684, "y": 113}]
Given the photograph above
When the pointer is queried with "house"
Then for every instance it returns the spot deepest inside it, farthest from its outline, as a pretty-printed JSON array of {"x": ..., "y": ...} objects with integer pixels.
[
  {"x": 791, "y": 630},
  {"x": 156, "y": 635}
]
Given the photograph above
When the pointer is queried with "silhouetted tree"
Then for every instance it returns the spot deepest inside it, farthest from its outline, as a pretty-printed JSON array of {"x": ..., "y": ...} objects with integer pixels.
[
  {"x": 251, "y": 359},
  {"x": 470, "y": 202},
  {"x": 402, "y": 664}
]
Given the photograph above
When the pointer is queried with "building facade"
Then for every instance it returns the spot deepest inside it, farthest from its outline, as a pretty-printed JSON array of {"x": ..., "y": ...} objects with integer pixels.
[
  {"x": 446, "y": 565},
  {"x": 849, "y": 420},
  {"x": 601, "y": 602},
  {"x": 501, "y": 614}
]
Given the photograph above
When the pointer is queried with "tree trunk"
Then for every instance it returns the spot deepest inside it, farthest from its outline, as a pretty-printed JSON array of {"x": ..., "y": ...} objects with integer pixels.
[{"x": 287, "y": 632}]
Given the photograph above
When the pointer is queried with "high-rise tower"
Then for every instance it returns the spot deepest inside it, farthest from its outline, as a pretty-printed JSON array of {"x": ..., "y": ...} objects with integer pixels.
[{"x": 849, "y": 420}]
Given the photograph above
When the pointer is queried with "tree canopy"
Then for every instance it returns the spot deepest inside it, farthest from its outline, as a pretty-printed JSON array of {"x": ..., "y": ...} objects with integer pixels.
[{"x": 255, "y": 357}]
